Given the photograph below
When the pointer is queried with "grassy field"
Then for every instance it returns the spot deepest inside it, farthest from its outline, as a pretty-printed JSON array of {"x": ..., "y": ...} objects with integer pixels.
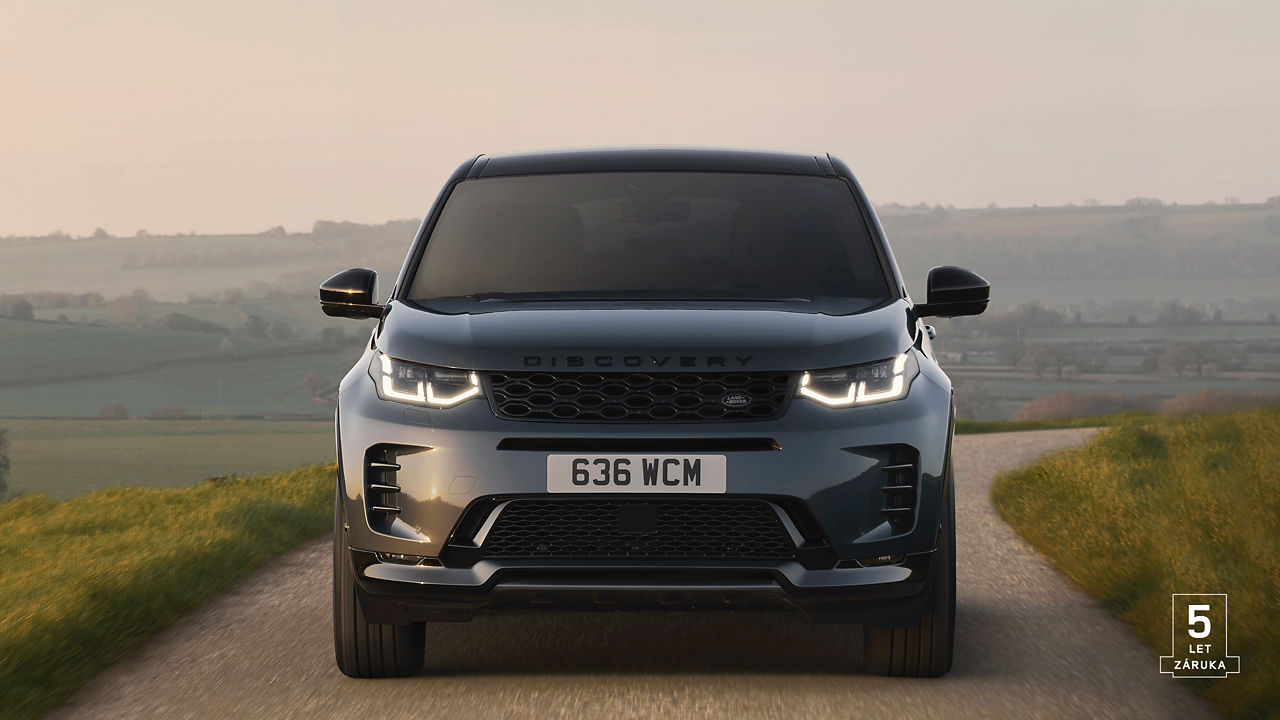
[
  {"x": 302, "y": 314},
  {"x": 66, "y": 458},
  {"x": 52, "y": 370},
  {"x": 1164, "y": 506},
  {"x": 32, "y": 352},
  {"x": 84, "y": 582}
]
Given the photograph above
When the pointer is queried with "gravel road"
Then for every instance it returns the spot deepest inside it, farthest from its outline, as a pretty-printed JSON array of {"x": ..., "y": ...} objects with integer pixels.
[{"x": 1028, "y": 645}]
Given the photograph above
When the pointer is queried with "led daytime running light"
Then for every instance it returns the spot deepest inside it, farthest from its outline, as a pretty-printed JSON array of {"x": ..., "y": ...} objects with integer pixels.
[
  {"x": 858, "y": 394},
  {"x": 425, "y": 393}
]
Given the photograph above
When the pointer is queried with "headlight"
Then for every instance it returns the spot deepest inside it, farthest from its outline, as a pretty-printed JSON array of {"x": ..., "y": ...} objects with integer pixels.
[
  {"x": 862, "y": 384},
  {"x": 422, "y": 384}
]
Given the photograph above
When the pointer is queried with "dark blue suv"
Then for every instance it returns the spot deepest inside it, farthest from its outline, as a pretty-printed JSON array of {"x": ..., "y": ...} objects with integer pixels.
[{"x": 624, "y": 379}]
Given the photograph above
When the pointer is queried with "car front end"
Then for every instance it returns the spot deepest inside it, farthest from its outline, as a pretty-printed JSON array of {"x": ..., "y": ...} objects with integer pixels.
[{"x": 820, "y": 503}]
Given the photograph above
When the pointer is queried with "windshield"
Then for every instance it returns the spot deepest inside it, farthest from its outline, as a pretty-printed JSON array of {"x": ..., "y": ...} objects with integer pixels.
[{"x": 664, "y": 236}]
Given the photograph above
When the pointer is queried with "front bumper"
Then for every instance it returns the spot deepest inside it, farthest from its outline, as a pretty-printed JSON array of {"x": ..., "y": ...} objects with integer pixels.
[
  {"x": 398, "y": 594},
  {"x": 825, "y": 463}
]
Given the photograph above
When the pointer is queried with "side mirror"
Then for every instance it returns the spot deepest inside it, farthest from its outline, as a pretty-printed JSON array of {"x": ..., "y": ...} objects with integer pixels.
[
  {"x": 955, "y": 291},
  {"x": 351, "y": 294}
]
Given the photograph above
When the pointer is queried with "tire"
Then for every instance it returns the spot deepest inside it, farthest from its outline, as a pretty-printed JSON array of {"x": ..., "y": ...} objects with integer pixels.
[
  {"x": 364, "y": 649},
  {"x": 923, "y": 650}
]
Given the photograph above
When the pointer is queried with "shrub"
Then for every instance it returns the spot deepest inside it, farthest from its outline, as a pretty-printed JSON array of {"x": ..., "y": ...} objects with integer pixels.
[
  {"x": 182, "y": 322},
  {"x": 22, "y": 310},
  {"x": 1210, "y": 400},
  {"x": 113, "y": 411},
  {"x": 1070, "y": 404}
]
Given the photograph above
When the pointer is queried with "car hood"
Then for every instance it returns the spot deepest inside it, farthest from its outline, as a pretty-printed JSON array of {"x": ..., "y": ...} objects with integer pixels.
[{"x": 645, "y": 338}]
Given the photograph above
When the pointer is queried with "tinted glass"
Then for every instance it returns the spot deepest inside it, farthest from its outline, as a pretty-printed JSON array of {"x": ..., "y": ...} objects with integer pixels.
[{"x": 651, "y": 235}]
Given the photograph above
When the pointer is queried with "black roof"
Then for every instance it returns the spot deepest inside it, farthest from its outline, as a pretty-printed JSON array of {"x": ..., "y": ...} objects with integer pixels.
[{"x": 651, "y": 159}]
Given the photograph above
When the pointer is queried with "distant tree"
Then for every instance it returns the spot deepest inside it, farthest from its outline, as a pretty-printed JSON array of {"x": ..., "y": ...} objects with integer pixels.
[
  {"x": 1217, "y": 315},
  {"x": 314, "y": 384},
  {"x": 100, "y": 234},
  {"x": 142, "y": 233},
  {"x": 1091, "y": 202},
  {"x": 277, "y": 231},
  {"x": 113, "y": 411},
  {"x": 62, "y": 318},
  {"x": 181, "y": 322},
  {"x": 140, "y": 296},
  {"x": 973, "y": 402},
  {"x": 1271, "y": 318},
  {"x": 1175, "y": 313},
  {"x": 1144, "y": 202},
  {"x": 22, "y": 310},
  {"x": 4, "y": 464},
  {"x": 1131, "y": 320},
  {"x": 280, "y": 330},
  {"x": 1273, "y": 200},
  {"x": 255, "y": 326},
  {"x": 1010, "y": 351},
  {"x": 1174, "y": 359},
  {"x": 1036, "y": 360},
  {"x": 1077, "y": 319}
]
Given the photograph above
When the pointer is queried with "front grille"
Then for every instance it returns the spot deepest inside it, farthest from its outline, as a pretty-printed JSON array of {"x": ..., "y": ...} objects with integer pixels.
[
  {"x": 659, "y": 529},
  {"x": 639, "y": 397}
]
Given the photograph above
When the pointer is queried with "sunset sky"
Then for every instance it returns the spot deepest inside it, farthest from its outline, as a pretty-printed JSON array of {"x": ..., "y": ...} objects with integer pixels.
[{"x": 237, "y": 116}]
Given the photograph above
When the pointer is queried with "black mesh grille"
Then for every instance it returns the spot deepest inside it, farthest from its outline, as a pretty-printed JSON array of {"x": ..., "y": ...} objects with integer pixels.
[
  {"x": 639, "y": 397},
  {"x": 662, "y": 529}
]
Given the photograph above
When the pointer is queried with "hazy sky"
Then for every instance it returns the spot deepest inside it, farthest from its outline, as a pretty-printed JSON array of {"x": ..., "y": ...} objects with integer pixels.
[{"x": 236, "y": 116}]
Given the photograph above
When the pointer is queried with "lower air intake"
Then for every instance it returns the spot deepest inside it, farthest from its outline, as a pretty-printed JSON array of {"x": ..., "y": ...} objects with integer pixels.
[{"x": 660, "y": 529}]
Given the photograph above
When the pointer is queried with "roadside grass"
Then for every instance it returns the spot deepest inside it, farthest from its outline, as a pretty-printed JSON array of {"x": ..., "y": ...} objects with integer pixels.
[
  {"x": 1164, "y": 506},
  {"x": 975, "y": 427},
  {"x": 84, "y": 582}
]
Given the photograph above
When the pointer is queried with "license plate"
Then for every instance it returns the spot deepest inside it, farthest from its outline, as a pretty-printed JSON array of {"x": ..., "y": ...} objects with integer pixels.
[{"x": 636, "y": 473}]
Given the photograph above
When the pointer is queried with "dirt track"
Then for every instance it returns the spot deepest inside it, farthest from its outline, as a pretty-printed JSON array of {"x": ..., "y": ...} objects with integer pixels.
[{"x": 1028, "y": 645}]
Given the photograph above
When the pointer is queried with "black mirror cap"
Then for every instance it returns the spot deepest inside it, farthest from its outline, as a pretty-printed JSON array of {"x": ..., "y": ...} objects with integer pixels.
[
  {"x": 351, "y": 293},
  {"x": 955, "y": 291}
]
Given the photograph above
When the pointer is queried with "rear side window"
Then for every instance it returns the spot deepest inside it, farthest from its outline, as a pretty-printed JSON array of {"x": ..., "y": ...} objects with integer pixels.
[{"x": 651, "y": 235}]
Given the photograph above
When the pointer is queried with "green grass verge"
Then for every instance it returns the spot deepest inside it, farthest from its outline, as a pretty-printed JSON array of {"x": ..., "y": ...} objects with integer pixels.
[
  {"x": 84, "y": 582},
  {"x": 1164, "y": 506},
  {"x": 974, "y": 427}
]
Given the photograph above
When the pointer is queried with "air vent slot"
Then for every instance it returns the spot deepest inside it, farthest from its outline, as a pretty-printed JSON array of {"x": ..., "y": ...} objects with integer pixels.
[
  {"x": 382, "y": 490},
  {"x": 901, "y": 487}
]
